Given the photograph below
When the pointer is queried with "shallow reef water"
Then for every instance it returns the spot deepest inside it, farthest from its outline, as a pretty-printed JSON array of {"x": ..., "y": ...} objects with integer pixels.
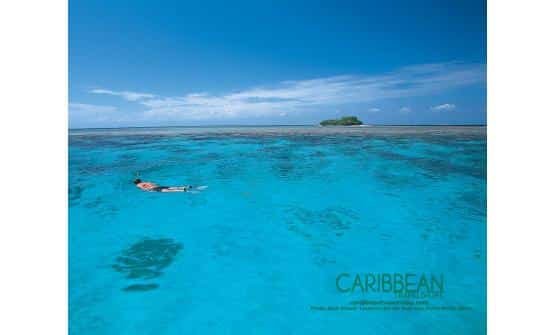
[{"x": 287, "y": 210}]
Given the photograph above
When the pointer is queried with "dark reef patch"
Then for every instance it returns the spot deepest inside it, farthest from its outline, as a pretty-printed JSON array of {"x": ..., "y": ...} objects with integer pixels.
[
  {"x": 75, "y": 193},
  {"x": 304, "y": 221},
  {"x": 397, "y": 178},
  {"x": 294, "y": 161},
  {"x": 321, "y": 228},
  {"x": 229, "y": 169},
  {"x": 146, "y": 260},
  {"x": 140, "y": 287},
  {"x": 471, "y": 203},
  {"x": 439, "y": 167},
  {"x": 101, "y": 207}
]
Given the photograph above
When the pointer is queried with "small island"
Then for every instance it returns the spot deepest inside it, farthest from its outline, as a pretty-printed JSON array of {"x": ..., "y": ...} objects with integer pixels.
[{"x": 344, "y": 121}]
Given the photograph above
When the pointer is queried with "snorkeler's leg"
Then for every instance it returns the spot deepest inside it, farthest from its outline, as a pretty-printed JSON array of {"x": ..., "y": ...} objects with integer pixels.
[
  {"x": 174, "y": 189},
  {"x": 183, "y": 188}
]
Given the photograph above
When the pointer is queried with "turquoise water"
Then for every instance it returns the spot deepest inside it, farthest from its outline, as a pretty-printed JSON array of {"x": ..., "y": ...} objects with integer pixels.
[{"x": 286, "y": 211}]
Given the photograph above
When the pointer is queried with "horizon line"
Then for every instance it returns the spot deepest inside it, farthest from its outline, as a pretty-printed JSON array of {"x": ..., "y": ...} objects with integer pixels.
[{"x": 289, "y": 125}]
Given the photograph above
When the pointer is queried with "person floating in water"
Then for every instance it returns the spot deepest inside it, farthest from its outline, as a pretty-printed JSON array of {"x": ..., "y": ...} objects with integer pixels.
[{"x": 153, "y": 187}]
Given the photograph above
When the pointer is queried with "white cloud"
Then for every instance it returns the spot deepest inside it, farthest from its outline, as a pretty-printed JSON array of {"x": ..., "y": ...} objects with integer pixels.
[
  {"x": 374, "y": 110},
  {"x": 302, "y": 95},
  {"x": 127, "y": 95},
  {"x": 444, "y": 107},
  {"x": 90, "y": 109},
  {"x": 405, "y": 110}
]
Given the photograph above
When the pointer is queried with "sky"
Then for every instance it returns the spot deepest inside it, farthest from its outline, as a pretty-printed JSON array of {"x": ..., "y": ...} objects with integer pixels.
[{"x": 169, "y": 63}]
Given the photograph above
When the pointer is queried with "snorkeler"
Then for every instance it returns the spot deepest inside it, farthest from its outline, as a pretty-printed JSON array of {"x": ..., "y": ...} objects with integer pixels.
[{"x": 152, "y": 187}]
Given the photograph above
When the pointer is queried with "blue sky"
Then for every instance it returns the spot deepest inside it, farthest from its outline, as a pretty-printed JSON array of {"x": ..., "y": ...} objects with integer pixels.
[{"x": 162, "y": 63}]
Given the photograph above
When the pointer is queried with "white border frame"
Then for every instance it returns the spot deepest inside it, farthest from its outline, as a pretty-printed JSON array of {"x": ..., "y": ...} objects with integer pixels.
[{"x": 33, "y": 231}]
